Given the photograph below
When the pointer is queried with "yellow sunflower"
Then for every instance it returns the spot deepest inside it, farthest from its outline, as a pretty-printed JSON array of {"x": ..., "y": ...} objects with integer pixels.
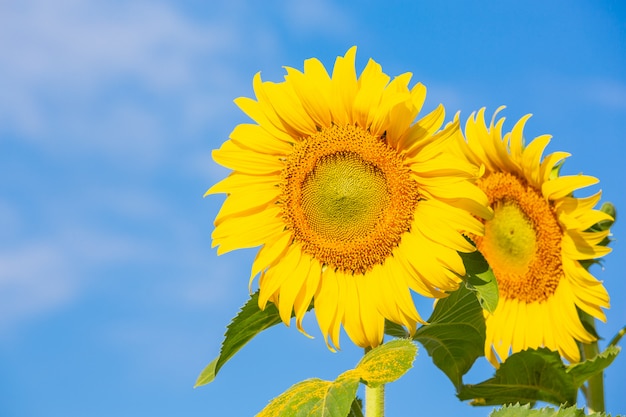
[
  {"x": 535, "y": 242},
  {"x": 353, "y": 204}
]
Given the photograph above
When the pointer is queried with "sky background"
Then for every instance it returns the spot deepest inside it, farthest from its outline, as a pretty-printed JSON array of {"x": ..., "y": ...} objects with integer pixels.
[{"x": 111, "y": 297}]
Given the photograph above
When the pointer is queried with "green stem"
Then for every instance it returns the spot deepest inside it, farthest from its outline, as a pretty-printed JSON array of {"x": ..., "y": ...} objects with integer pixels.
[
  {"x": 375, "y": 401},
  {"x": 594, "y": 388}
]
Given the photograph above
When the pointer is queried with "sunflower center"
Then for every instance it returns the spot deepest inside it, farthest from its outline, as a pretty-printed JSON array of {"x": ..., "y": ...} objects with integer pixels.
[
  {"x": 348, "y": 197},
  {"x": 511, "y": 239},
  {"x": 522, "y": 242},
  {"x": 344, "y": 197}
]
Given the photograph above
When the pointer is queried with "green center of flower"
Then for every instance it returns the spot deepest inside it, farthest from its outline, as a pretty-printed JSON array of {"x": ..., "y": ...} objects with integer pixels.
[
  {"x": 522, "y": 242},
  {"x": 344, "y": 197},
  {"x": 348, "y": 197},
  {"x": 510, "y": 237}
]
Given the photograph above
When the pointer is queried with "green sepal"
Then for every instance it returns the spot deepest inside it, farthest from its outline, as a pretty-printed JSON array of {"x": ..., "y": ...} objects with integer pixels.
[
  {"x": 455, "y": 335},
  {"x": 249, "y": 322},
  {"x": 518, "y": 410},
  {"x": 481, "y": 280},
  {"x": 526, "y": 377}
]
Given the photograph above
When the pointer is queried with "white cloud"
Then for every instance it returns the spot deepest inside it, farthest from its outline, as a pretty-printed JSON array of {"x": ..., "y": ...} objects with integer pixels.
[
  {"x": 610, "y": 94},
  {"x": 83, "y": 43},
  {"x": 63, "y": 62},
  {"x": 33, "y": 279},
  {"x": 103, "y": 97},
  {"x": 318, "y": 17}
]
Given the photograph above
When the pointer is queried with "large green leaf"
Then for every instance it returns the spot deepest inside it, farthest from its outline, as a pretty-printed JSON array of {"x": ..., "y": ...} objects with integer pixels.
[
  {"x": 481, "y": 280},
  {"x": 455, "y": 336},
  {"x": 525, "y": 377},
  {"x": 387, "y": 362},
  {"x": 319, "y": 398},
  {"x": 526, "y": 411},
  {"x": 315, "y": 398},
  {"x": 580, "y": 372},
  {"x": 250, "y": 321}
]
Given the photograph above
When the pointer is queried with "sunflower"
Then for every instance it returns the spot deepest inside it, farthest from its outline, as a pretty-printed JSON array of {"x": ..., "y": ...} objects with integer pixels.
[
  {"x": 352, "y": 203},
  {"x": 535, "y": 242}
]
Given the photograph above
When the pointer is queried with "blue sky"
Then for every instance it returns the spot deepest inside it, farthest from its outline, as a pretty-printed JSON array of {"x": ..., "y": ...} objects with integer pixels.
[{"x": 111, "y": 298}]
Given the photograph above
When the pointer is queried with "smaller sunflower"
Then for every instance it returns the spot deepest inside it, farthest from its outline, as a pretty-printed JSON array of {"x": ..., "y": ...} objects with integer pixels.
[{"x": 535, "y": 242}]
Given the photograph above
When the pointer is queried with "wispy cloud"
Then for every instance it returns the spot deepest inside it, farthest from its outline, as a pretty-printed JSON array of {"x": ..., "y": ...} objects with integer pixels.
[
  {"x": 33, "y": 279},
  {"x": 62, "y": 59},
  {"x": 122, "y": 102},
  {"x": 318, "y": 17},
  {"x": 610, "y": 94}
]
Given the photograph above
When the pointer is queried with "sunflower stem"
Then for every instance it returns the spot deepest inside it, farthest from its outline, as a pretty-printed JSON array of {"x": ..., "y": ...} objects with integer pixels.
[
  {"x": 374, "y": 398},
  {"x": 594, "y": 389},
  {"x": 375, "y": 401}
]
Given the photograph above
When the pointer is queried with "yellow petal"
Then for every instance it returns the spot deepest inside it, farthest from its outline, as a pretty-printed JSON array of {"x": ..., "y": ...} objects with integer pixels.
[
  {"x": 247, "y": 232},
  {"x": 273, "y": 279},
  {"x": 563, "y": 186},
  {"x": 303, "y": 300},
  {"x": 244, "y": 204},
  {"x": 343, "y": 88},
  {"x": 257, "y": 139},
  {"x": 313, "y": 90},
  {"x": 237, "y": 182},
  {"x": 297, "y": 278},
  {"x": 289, "y": 109},
  {"x": 371, "y": 83},
  {"x": 328, "y": 309},
  {"x": 532, "y": 159},
  {"x": 270, "y": 253},
  {"x": 246, "y": 161}
]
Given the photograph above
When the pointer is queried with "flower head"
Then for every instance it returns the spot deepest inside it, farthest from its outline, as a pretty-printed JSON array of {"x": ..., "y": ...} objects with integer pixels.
[
  {"x": 535, "y": 242},
  {"x": 352, "y": 202}
]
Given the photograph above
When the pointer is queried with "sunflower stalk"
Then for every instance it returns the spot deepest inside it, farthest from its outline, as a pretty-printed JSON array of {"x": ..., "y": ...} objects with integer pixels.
[
  {"x": 375, "y": 401},
  {"x": 374, "y": 398},
  {"x": 594, "y": 388}
]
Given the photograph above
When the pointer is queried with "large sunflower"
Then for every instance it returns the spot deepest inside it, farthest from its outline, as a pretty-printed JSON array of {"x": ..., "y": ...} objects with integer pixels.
[
  {"x": 352, "y": 204},
  {"x": 535, "y": 242}
]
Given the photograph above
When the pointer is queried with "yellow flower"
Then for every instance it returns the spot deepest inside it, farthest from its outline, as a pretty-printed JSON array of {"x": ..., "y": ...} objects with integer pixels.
[
  {"x": 535, "y": 242},
  {"x": 352, "y": 204}
]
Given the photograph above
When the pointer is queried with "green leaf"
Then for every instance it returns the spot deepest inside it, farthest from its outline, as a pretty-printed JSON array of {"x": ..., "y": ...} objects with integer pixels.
[
  {"x": 356, "y": 410},
  {"x": 396, "y": 330},
  {"x": 580, "y": 372},
  {"x": 387, "y": 363},
  {"x": 250, "y": 321},
  {"x": 319, "y": 398},
  {"x": 525, "y": 377},
  {"x": 208, "y": 374},
  {"x": 481, "y": 280},
  {"x": 525, "y": 411},
  {"x": 455, "y": 337},
  {"x": 315, "y": 398}
]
